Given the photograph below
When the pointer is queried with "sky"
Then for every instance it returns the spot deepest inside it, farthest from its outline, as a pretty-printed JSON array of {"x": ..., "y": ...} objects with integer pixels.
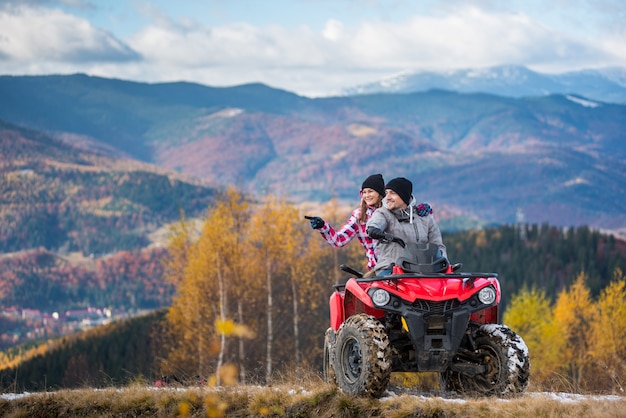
[{"x": 310, "y": 47}]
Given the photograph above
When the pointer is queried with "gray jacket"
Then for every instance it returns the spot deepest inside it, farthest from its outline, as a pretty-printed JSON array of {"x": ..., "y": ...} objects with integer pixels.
[{"x": 401, "y": 224}]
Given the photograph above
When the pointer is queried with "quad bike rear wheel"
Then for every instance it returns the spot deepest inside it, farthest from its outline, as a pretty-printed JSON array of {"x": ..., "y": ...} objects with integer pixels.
[
  {"x": 507, "y": 366},
  {"x": 329, "y": 344},
  {"x": 362, "y": 357}
]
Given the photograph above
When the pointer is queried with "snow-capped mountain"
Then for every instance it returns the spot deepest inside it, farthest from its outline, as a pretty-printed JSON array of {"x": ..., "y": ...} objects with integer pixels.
[{"x": 606, "y": 85}]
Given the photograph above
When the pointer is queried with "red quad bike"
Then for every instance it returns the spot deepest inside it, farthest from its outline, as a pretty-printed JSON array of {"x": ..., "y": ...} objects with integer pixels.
[{"x": 424, "y": 317}]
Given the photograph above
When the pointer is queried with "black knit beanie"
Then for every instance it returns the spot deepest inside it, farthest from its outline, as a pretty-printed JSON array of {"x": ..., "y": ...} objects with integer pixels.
[
  {"x": 375, "y": 182},
  {"x": 403, "y": 187}
]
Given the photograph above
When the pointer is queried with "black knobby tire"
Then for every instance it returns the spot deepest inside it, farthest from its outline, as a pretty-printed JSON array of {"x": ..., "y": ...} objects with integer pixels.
[
  {"x": 329, "y": 344},
  {"x": 505, "y": 356},
  {"x": 362, "y": 359}
]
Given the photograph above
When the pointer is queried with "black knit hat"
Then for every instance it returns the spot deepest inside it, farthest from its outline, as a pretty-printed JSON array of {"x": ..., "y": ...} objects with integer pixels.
[
  {"x": 375, "y": 182},
  {"x": 403, "y": 187}
]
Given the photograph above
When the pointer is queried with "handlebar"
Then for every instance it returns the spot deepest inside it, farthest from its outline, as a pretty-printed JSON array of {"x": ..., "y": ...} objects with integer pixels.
[{"x": 350, "y": 270}]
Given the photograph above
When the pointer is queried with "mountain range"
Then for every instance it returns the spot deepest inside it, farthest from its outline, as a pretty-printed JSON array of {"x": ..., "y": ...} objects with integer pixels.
[
  {"x": 606, "y": 84},
  {"x": 476, "y": 157}
]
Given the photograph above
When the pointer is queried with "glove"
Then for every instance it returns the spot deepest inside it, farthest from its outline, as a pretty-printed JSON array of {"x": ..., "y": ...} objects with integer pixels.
[
  {"x": 376, "y": 233},
  {"x": 424, "y": 209},
  {"x": 389, "y": 237},
  {"x": 399, "y": 241},
  {"x": 316, "y": 221}
]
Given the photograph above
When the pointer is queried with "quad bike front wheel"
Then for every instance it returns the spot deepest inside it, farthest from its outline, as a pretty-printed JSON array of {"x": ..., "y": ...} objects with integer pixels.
[
  {"x": 504, "y": 355},
  {"x": 362, "y": 354}
]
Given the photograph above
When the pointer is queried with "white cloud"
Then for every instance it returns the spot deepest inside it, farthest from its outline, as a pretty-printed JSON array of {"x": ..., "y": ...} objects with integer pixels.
[
  {"x": 333, "y": 30},
  {"x": 232, "y": 45},
  {"x": 467, "y": 38},
  {"x": 470, "y": 37},
  {"x": 29, "y": 35}
]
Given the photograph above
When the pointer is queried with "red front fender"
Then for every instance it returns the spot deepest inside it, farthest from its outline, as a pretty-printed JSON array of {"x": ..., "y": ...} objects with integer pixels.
[
  {"x": 353, "y": 287},
  {"x": 336, "y": 310},
  {"x": 354, "y": 299}
]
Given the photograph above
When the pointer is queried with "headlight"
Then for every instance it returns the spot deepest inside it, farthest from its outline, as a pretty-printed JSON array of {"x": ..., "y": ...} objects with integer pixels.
[
  {"x": 487, "y": 295},
  {"x": 380, "y": 297}
]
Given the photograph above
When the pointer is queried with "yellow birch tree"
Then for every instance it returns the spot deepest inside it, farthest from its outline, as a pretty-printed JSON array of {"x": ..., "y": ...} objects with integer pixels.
[
  {"x": 190, "y": 321},
  {"x": 291, "y": 240},
  {"x": 212, "y": 249},
  {"x": 300, "y": 260},
  {"x": 241, "y": 272},
  {"x": 530, "y": 315},
  {"x": 213, "y": 264},
  {"x": 573, "y": 314},
  {"x": 269, "y": 246},
  {"x": 180, "y": 238},
  {"x": 609, "y": 335}
]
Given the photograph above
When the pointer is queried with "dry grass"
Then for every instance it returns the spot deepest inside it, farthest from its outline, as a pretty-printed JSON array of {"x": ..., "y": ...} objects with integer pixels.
[{"x": 292, "y": 400}]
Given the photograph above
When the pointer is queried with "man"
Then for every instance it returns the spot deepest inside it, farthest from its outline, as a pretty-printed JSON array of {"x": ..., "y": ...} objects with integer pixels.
[{"x": 395, "y": 225}]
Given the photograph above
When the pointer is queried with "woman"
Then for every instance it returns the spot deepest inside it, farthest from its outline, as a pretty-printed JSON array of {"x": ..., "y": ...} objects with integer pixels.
[{"x": 372, "y": 193}]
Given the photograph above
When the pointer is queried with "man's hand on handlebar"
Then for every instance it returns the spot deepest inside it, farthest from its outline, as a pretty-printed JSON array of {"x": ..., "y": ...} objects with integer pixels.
[
  {"x": 376, "y": 233},
  {"x": 399, "y": 241}
]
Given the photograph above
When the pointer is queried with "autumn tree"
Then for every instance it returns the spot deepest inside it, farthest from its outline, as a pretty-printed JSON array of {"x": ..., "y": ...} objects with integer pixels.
[
  {"x": 608, "y": 335},
  {"x": 573, "y": 314},
  {"x": 302, "y": 266},
  {"x": 311, "y": 279},
  {"x": 180, "y": 239},
  {"x": 190, "y": 319},
  {"x": 233, "y": 242},
  {"x": 530, "y": 315},
  {"x": 212, "y": 264},
  {"x": 271, "y": 243},
  {"x": 215, "y": 249},
  {"x": 292, "y": 251}
]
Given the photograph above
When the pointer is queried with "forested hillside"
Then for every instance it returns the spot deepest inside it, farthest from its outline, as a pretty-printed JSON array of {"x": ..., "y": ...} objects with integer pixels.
[
  {"x": 80, "y": 230},
  {"x": 40, "y": 279},
  {"x": 65, "y": 199},
  {"x": 110, "y": 355}
]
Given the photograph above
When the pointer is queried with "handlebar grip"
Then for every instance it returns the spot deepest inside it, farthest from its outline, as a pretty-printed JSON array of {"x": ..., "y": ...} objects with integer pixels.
[{"x": 350, "y": 270}]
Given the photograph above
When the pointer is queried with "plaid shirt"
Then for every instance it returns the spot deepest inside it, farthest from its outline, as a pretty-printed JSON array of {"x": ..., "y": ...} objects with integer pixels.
[{"x": 352, "y": 228}]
